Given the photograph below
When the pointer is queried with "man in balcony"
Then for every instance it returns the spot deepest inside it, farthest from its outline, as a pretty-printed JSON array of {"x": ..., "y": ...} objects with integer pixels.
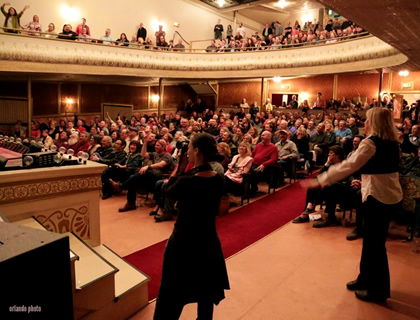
[
  {"x": 67, "y": 33},
  {"x": 107, "y": 38},
  {"x": 218, "y": 30},
  {"x": 141, "y": 32}
]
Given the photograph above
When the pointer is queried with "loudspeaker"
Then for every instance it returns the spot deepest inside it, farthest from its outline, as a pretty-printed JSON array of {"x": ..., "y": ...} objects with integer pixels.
[{"x": 35, "y": 274}]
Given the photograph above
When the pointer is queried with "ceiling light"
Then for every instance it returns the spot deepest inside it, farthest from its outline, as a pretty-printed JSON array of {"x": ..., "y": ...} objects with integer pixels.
[
  {"x": 281, "y": 4},
  {"x": 277, "y": 79},
  {"x": 403, "y": 73},
  {"x": 220, "y": 3}
]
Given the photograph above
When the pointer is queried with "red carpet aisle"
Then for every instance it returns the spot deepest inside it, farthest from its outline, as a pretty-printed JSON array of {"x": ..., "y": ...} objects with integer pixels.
[{"x": 237, "y": 230}]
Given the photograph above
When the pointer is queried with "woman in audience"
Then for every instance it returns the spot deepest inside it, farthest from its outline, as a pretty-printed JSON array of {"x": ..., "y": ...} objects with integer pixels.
[
  {"x": 239, "y": 135},
  {"x": 302, "y": 143},
  {"x": 194, "y": 269},
  {"x": 240, "y": 164},
  {"x": 46, "y": 139},
  {"x": 253, "y": 132},
  {"x": 377, "y": 158},
  {"x": 123, "y": 41},
  {"x": 50, "y": 32},
  {"x": 35, "y": 132},
  {"x": 170, "y": 142},
  {"x": 12, "y": 18},
  {"x": 115, "y": 135},
  {"x": 229, "y": 32},
  {"x": 224, "y": 150},
  {"x": 330, "y": 133},
  {"x": 19, "y": 130},
  {"x": 95, "y": 143},
  {"x": 34, "y": 27}
]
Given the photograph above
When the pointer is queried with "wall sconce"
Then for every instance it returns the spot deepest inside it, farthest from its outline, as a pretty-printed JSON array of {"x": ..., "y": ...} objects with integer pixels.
[
  {"x": 177, "y": 24},
  {"x": 68, "y": 104},
  {"x": 155, "y": 98},
  {"x": 277, "y": 79},
  {"x": 403, "y": 73}
]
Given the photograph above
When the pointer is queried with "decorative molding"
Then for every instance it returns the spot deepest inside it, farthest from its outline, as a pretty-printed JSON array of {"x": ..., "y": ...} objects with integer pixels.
[
  {"x": 46, "y": 55},
  {"x": 74, "y": 220},
  {"x": 30, "y": 190}
]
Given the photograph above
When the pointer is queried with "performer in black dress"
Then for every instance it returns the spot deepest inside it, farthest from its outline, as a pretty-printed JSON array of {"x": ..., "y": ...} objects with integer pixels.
[{"x": 194, "y": 268}]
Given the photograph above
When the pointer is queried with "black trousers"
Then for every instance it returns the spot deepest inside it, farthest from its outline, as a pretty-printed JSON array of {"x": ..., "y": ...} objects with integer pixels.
[
  {"x": 114, "y": 173},
  {"x": 345, "y": 195},
  {"x": 374, "y": 269}
]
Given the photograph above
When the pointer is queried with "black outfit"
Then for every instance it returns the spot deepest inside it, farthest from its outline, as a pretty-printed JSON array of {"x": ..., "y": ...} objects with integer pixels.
[
  {"x": 142, "y": 33},
  {"x": 194, "y": 268},
  {"x": 133, "y": 163},
  {"x": 68, "y": 35}
]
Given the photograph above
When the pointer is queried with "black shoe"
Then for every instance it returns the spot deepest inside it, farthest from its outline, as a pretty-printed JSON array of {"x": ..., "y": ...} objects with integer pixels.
[
  {"x": 368, "y": 297},
  {"x": 300, "y": 219},
  {"x": 326, "y": 223},
  {"x": 106, "y": 196},
  {"x": 127, "y": 207},
  {"x": 355, "y": 285},
  {"x": 355, "y": 234},
  {"x": 163, "y": 217},
  {"x": 152, "y": 213}
]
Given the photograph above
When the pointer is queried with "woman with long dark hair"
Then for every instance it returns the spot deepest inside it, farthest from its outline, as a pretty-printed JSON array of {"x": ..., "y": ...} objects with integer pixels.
[
  {"x": 12, "y": 18},
  {"x": 194, "y": 269},
  {"x": 377, "y": 158}
]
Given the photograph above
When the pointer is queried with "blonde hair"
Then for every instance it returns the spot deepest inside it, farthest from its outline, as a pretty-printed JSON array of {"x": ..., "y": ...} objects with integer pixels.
[
  {"x": 381, "y": 124},
  {"x": 247, "y": 146},
  {"x": 225, "y": 147},
  {"x": 303, "y": 131}
]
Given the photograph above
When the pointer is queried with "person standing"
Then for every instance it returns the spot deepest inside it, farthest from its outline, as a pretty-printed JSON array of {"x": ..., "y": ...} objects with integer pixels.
[
  {"x": 218, "y": 30},
  {"x": 194, "y": 269},
  {"x": 83, "y": 25},
  {"x": 141, "y": 32},
  {"x": 377, "y": 158},
  {"x": 12, "y": 17}
]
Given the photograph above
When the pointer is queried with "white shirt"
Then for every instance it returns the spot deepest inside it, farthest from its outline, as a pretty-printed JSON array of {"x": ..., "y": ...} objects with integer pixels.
[{"x": 384, "y": 187}]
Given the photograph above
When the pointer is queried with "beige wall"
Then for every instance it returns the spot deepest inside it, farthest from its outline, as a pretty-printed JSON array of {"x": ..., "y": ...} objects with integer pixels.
[{"x": 124, "y": 16}]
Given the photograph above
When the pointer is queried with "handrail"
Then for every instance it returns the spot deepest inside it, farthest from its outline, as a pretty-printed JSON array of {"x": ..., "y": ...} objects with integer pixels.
[{"x": 136, "y": 45}]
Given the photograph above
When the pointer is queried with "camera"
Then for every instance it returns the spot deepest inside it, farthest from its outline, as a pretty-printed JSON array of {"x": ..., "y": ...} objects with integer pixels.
[{"x": 182, "y": 145}]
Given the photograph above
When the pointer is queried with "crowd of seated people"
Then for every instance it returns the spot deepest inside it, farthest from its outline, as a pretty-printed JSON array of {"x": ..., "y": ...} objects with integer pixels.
[
  {"x": 273, "y": 36},
  {"x": 265, "y": 145}
]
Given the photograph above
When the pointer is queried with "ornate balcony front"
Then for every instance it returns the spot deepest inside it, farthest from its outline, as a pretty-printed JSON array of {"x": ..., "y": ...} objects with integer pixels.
[{"x": 27, "y": 54}]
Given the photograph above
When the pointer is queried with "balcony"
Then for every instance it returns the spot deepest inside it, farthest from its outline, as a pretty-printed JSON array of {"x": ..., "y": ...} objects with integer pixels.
[{"x": 27, "y": 54}]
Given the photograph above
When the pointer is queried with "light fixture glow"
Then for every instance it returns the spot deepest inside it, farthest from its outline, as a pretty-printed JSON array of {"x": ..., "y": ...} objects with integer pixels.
[
  {"x": 303, "y": 96},
  {"x": 69, "y": 101},
  {"x": 155, "y": 98},
  {"x": 220, "y": 3},
  {"x": 281, "y": 4},
  {"x": 70, "y": 14},
  {"x": 404, "y": 73},
  {"x": 277, "y": 79}
]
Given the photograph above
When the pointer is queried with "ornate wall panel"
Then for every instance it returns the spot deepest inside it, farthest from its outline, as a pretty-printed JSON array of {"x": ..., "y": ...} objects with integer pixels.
[
  {"x": 45, "y": 98},
  {"x": 233, "y": 93},
  {"x": 309, "y": 85},
  {"x": 349, "y": 85}
]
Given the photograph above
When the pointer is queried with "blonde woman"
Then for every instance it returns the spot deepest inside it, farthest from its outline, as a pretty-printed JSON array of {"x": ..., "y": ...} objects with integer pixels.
[
  {"x": 224, "y": 150},
  {"x": 240, "y": 164},
  {"x": 377, "y": 159}
]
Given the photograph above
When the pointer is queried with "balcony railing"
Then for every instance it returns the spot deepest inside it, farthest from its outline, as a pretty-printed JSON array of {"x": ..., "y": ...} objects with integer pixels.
[{"x": 46, "y": 53}]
